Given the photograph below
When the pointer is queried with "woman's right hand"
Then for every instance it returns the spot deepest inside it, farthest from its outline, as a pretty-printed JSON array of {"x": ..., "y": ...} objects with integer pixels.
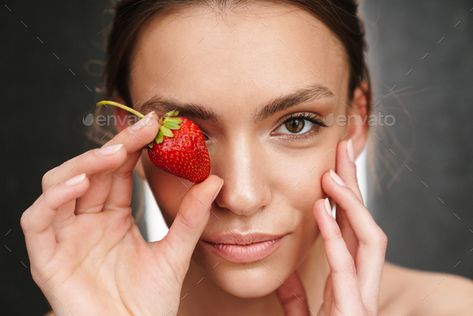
[{"x": 87, "y": 254}]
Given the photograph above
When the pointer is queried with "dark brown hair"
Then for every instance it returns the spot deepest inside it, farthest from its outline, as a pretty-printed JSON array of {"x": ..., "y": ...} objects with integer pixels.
[{"x": 340, "y": 16}]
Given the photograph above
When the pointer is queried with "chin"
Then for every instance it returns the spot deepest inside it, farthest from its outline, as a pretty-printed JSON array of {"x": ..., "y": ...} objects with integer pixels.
[{"x": 253, "y": 279}]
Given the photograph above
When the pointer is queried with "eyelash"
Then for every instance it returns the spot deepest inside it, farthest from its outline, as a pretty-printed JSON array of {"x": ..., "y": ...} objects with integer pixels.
[
  {"x": 301, "y": 115},
  {"x": 313, "y": 118}
]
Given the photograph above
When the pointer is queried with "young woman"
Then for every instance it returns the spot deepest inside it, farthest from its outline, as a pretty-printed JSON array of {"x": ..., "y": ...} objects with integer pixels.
[{"x": 282, "y": 94}]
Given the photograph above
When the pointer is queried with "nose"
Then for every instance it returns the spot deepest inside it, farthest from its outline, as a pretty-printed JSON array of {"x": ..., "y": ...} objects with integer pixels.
[{"x": 243, "y": 167}]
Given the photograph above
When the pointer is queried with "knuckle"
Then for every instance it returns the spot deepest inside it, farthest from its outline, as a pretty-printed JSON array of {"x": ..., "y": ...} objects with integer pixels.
[
  {"x": 185, "y": 220},
  {"x": 36, "y": 275},
  {"x": 124, "y": 175},
  {"x": 197, "y": 199},
  {"x": 346, "y": 267},
  {"x": 25, "y": 220},
  {"x": 334, "y": 234},
  {"x": 42, "y": 278},
  {"x": 384, "y": 239},
  {"x": 47, "y": 179},
  {"x": 381, "y": 239},
  {"x": 350, "y": 267}
]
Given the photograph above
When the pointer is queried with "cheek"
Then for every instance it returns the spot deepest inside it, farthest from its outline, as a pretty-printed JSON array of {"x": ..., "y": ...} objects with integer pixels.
[
  {"x": 300, "y": 187},
  {"x": 298, "y": 178}
]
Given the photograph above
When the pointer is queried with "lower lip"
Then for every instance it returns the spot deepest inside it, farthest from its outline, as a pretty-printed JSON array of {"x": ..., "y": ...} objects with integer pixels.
[{"x": 245, "y": 253}]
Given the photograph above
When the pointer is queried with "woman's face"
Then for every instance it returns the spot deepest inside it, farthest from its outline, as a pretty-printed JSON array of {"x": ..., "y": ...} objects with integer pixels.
[{"x": 235, "y": 65}]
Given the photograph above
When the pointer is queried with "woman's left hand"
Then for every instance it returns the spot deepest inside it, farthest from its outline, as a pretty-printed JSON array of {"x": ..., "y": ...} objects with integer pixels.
[{"x": 355, "y": 248}]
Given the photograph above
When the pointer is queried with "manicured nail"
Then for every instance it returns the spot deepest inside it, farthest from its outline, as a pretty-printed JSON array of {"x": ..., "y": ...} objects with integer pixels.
[
  {"x": 109, "y": 150},
  {"x": 75, "y": 180},
  {"x": 350, "y": 151},
  {"x": 335, "y": 177},
  {"x": 145, "y": 121},
  {"x": 218, "y": 190},
  {"x": 327, "y": 207}
]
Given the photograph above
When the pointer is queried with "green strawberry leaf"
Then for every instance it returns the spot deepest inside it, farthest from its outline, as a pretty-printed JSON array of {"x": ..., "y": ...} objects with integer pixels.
[
  {"x": 166, "y": 131},
  {"x": 171, "y": 125},
  {"x": 173, "y": 119},
  {"x": 159, "y": 138}
]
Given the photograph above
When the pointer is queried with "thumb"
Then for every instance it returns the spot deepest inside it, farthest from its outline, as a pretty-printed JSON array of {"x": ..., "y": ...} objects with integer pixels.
[{"x": 189, "y": 223}]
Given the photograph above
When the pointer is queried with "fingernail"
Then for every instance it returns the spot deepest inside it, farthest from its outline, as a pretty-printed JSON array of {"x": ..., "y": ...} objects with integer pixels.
[
  {"x": 327, "y": 207},
  {"x": 350, "y": 151},
  {"x": 335, "y": 177},
  {"x": 145, "y": 121},
  {"x": 109, "y": 150},
  {"x": 75, "y": 180},
  {"x": 218, "y": 190}
]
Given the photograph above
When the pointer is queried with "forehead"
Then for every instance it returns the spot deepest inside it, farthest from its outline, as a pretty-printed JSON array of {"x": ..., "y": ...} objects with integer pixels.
[{"x": 246, "y": 55}]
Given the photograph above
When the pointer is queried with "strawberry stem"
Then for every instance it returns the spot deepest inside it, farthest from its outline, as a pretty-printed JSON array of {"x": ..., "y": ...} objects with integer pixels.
[
  {"x": 168, "y": 122},
  {"x": 121, "y": 106}
]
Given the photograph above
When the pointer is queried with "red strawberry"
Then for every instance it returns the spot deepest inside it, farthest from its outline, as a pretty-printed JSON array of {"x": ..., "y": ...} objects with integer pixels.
[{"x": 179, "y": 147}]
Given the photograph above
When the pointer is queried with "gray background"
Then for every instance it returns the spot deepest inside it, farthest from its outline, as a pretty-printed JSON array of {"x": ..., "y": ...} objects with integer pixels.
[{"x": 422, "y": 166}]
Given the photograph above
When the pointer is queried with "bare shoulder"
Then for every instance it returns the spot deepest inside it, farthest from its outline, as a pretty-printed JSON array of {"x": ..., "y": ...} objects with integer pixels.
[{"x": 413, "y": 292}]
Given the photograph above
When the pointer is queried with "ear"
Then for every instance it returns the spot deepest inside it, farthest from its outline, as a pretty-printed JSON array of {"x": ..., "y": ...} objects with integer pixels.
[
  {"x": 124, "y": 119},
  {"x": 358, "y": 117}
]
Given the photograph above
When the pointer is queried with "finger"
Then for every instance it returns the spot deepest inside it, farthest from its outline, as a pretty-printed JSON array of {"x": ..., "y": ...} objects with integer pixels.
[
  {"x": 345, "y": 291},
  {"x": 93, "y": 200},
  {"x": 372, "y": 240},
  {"x": 103, "y": 159},
  {"x": 292, "y": 296},
  {"x": 137, "y": 137},
  {"x": 188, "y": 225},
  {"x": 36, "y": 221},
  {"x": 363, "y": 224},
  {"x": 346, "y": 168},
  {"x": 133, "y": 138},
  {"x": 328, "y": 297}
]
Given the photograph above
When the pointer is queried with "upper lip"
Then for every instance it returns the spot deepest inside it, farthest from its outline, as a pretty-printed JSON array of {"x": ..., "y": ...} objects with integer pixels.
[{"x": 241, "y": 239}]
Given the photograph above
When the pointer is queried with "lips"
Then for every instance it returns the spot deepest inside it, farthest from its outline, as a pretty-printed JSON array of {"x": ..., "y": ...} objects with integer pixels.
[
  {"x": 243, "y": 248},
  {"x": 241, "y": 239}
]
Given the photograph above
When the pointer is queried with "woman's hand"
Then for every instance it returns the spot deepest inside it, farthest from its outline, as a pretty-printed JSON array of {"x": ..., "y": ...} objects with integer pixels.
[
  {"x": 87, "y": 254},
  {"x": 355, "y": 248}
]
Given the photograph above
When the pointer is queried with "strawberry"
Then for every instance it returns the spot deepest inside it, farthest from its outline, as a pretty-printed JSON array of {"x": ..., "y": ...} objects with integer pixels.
[{"x": 179, "y": 147}]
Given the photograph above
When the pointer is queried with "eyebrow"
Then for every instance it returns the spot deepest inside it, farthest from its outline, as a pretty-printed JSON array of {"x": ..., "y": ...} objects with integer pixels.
[{"x": 193, "y": 110}]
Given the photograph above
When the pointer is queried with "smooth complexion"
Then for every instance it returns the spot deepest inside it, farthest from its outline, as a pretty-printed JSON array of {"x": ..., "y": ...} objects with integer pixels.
[{"x": 232, "y": 66}]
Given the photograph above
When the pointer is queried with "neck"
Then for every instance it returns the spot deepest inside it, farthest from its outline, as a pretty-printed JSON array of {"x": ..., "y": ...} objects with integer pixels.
[{"x": 200, "y": 296}]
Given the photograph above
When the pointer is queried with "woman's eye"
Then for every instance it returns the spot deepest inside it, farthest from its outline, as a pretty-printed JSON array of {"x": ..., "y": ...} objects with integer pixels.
[
  {"x": 297, "y": 125},
  {"x": 300, "y": 125}
]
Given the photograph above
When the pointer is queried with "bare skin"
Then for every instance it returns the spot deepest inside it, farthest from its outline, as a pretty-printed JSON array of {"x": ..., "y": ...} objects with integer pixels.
[{"x": 232, "y": 64}]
